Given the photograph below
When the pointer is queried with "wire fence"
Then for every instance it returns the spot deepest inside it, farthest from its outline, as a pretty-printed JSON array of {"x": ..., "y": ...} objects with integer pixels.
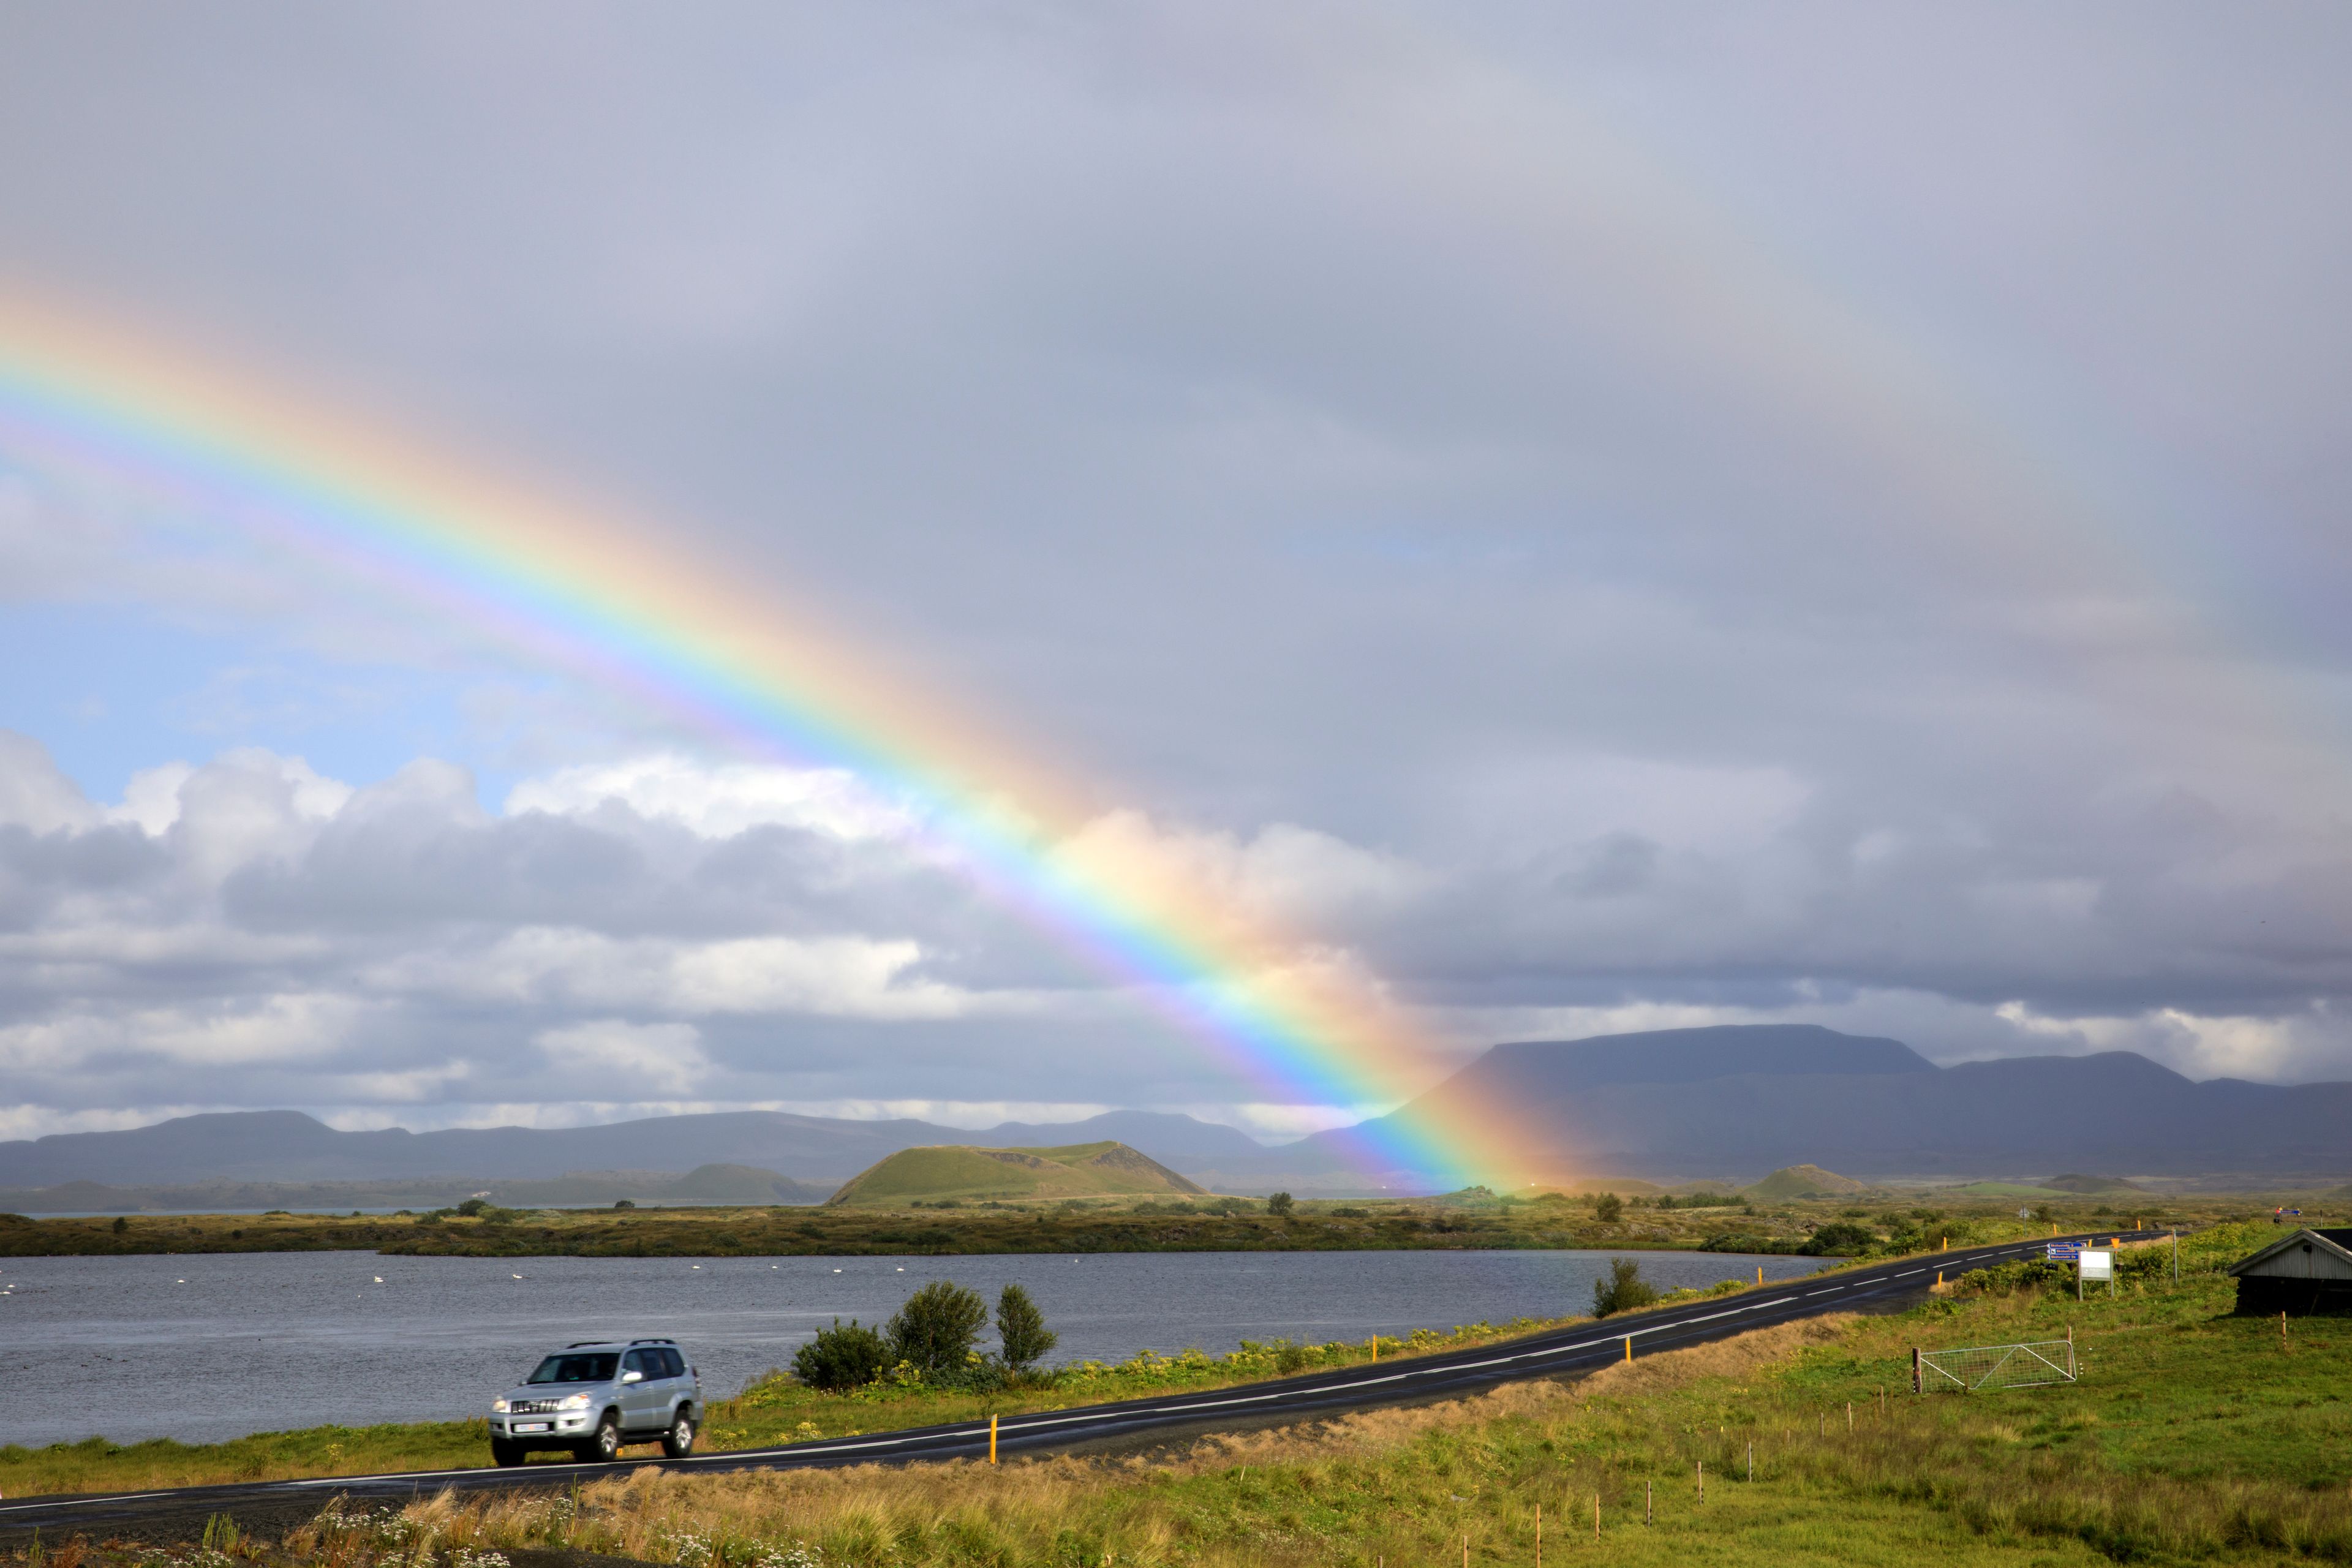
[{"x": 1978, "y": 1367}]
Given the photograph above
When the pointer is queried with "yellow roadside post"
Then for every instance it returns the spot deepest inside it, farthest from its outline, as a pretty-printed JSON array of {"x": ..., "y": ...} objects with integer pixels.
[
  {"x": 1629, "y": 1347},
  {"x": 992, "y": 1439}
]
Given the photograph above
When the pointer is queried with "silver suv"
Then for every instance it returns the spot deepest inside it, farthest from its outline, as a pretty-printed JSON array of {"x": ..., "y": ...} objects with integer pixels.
[{"x": 590, "y": 1398}]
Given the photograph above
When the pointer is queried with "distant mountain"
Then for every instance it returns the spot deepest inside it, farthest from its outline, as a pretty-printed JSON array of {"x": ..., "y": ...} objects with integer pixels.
[
  {"x": 282, "y": 1146},
  {"x": 967, "y": 1174},
  {"x": 1680, "y": 1104},
  {"x": 709, "y": 1184}
]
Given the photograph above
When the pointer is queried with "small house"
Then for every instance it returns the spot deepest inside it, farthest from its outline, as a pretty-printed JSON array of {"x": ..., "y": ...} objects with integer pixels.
[{"x": 2307, "y": 1273}]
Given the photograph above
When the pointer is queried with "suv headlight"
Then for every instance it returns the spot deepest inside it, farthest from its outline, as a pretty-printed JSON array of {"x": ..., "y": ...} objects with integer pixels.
[
  {"x": 574, "y": 1402},
  {"x": 499, "y": 1408}
]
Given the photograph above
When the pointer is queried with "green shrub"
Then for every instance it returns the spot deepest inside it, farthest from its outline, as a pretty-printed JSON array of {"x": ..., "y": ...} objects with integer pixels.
[
  {"x": 1278, "y": 1204},
  {"x": 1839, "y": 1240},
  {"x": 1621, "y": 1289},
  {"x": 1608, "y": 1208},
  {"x": 840, "y": 1359},
  {"x": 1021, "y": 1327},
  {"x": 934, "y": 1332}
]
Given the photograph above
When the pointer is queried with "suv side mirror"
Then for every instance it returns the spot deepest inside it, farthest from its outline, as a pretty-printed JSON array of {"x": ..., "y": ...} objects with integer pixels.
[{"x": 633, "y": 1375}]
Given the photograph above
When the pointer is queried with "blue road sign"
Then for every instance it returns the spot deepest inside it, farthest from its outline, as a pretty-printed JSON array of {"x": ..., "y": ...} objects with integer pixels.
[{"x": 2066, "y": 1251}]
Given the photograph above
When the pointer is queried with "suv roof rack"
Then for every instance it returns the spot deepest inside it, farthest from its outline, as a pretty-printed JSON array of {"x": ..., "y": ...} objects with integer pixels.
[{"x": 584, "y": 1344}]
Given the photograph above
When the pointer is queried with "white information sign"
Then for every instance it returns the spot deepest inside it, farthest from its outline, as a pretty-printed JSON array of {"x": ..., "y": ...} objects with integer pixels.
[{"x": 2097, "y": 1265}]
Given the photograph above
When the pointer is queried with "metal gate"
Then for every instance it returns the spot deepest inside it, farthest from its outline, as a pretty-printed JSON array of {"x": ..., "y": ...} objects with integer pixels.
[{"x": 1995, "y": 1366}]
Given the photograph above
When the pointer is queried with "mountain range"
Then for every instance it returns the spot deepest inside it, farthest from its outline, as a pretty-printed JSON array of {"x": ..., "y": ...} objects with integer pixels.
[
  {"x": 288, "y": 1146},
  {"x": 1728, "y": 1102},
  {"x": 1743, "y": 1099}
]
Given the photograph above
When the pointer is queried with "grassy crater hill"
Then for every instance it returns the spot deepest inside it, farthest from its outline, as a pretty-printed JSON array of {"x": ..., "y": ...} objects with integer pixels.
[{"x": 970, "y": 1174}]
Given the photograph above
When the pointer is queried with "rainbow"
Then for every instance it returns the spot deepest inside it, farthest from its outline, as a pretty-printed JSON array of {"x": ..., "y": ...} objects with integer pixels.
[{"x": 86, "y": 404}]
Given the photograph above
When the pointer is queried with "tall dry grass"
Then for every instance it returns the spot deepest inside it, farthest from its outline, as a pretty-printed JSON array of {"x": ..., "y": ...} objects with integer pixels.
[
  {"x": 1996, "y": 1477},
  {"x": 1379, "y": 1484}
]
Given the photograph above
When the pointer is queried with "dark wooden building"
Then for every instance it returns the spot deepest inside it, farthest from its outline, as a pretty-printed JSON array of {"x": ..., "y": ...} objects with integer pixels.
[{"x": 2306, "y": 1273}]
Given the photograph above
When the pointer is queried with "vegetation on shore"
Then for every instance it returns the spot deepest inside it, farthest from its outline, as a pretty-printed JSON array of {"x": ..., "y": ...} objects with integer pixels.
[
  {"x": 2194, "y": 1436},
  {"x": 1471, "y": 1219}
]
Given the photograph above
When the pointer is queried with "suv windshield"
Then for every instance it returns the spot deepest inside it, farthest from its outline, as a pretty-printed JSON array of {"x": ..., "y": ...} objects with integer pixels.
[{"x": 585, "y": 1367}]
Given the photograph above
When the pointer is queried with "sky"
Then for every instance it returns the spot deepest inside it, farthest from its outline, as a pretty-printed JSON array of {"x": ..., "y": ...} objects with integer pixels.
[{"x": 1581, "y": 518}]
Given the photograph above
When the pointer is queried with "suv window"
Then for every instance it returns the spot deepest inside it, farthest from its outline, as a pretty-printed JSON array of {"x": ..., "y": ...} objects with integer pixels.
[
  {"x": 673, "y": 1364},
  {"x": 643, "y": 1362},
  {"x": 584, "y": 1368}
]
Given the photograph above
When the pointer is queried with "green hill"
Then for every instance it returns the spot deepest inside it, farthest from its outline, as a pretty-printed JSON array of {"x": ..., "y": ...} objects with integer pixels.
[
  {"x": 2005, "y": 1190},
  {"x": 2077, "y": 1183},
  {"x": 1804, "y": 1182},
  {"x": 961, "y": 1171}
]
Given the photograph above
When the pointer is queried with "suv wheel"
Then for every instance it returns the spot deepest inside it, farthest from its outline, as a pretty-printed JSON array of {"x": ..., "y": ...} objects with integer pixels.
[
  {"x": 605, "y": 1446},
  {"x": 679, "y": 1441},
  {"x": 504, "y": 1453}
]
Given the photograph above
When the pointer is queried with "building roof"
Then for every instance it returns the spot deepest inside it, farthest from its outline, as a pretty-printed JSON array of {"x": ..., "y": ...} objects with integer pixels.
[{"x": 2337, "y": 1241}]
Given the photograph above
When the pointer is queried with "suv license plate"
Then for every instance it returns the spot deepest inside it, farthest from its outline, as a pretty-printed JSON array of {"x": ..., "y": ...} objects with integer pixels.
[{"x": 531, "y": 1426}]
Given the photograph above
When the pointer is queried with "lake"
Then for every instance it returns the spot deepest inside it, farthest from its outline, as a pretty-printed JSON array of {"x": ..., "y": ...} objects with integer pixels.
[{"x": 205, "y": 1346}]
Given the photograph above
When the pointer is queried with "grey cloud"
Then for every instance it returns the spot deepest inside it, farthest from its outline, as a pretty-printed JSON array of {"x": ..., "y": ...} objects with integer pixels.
[{"x": 1828, "y": 511}]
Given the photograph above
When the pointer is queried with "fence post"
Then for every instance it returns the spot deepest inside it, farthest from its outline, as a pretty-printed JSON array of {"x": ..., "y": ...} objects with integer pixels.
[
  {"x": 1649, "y": 1500},
  {"x": 1702, "y": 1481},
  {"x": 1914, "y": 1369}
]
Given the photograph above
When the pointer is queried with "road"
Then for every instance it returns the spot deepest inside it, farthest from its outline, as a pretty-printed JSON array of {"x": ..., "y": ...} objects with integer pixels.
[{"x": 1581, "y": 1347}]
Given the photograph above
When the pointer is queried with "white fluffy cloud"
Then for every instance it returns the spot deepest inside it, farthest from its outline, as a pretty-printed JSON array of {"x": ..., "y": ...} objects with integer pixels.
[
  {"x": 717, "y": 802},
  {"x": 636, "y": 1061},
  {"x": 394, "y": 951}
]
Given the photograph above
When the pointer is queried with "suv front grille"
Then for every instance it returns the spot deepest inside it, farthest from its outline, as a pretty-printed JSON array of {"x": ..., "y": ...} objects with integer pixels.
[{"x": 535, "y": 1406}]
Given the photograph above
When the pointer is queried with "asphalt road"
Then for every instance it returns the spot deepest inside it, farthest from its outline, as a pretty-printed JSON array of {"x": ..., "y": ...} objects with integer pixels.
[{"x": 1583, "y": 1347}]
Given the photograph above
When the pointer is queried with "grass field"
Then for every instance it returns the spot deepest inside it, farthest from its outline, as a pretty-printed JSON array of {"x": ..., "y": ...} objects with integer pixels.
[{"x": 1471, "y": 1220}]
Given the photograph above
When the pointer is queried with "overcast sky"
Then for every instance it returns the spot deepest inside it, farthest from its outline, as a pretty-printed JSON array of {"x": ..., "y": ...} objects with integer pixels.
[{"x": 1604, "y": 516}]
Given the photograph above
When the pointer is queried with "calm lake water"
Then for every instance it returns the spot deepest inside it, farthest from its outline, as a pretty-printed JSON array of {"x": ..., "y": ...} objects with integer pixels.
[{"x": 211, "y": 1346}]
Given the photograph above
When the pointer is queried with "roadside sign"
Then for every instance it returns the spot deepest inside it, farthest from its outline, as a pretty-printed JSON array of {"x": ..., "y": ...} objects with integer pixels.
[
  {"x": 2097, "y": 1265},
  {"x": 2064, "y": 1251}
]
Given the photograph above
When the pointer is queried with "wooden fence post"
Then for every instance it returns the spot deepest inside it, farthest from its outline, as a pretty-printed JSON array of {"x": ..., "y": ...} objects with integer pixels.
[{"x": 1915, "y": 1363}]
